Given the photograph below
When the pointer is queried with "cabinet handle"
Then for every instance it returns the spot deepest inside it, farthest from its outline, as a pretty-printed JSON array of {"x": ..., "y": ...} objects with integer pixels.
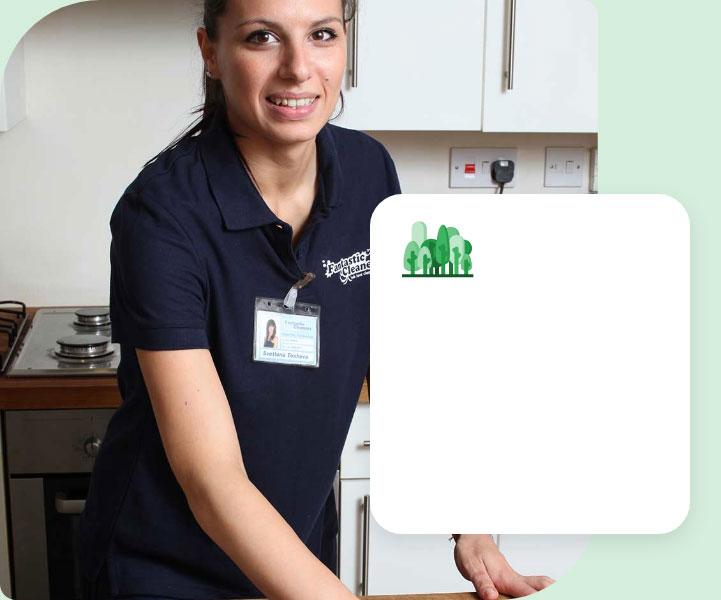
[
  {"x": 366, "y": 443},
  {"x": 511, "y": 45},
  {"x": 68, "y": 507},
  {"x": 354, "y": 72},
  {"x": 366, "y": 540}
]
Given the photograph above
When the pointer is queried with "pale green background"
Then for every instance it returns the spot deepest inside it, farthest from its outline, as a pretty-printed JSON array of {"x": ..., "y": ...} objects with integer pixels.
[{"x": 659, "y": 129}]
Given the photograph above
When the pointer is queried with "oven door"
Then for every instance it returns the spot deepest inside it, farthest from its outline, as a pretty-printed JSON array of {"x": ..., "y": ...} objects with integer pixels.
[
  {"x": 50, "y": 455},
  {"x": 44, "y": 513}
]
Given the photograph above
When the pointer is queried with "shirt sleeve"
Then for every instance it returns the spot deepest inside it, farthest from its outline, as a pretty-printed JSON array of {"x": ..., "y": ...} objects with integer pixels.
[
  {"x": 394, "y": 185},
  {"x": 158, "y": 287}
]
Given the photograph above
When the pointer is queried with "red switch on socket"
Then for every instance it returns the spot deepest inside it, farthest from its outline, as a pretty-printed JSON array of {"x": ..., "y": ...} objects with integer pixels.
[{"x": 470, "y": 168}]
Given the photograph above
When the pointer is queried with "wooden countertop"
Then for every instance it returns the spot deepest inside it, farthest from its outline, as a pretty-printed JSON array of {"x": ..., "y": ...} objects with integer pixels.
[{"x": 93, "y": 391}]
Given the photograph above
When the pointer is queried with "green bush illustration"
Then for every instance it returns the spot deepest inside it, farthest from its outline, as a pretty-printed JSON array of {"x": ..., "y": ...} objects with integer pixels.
[
  {"x": 430, "y": 256},
  {"x": 466, "y": 264},
  {"x": 430, "y": 245},
  {"x": 424, "y": 257},
  {"x": 419, "y": 233},
  {"x": 410, "y": 259},
  {"x": 443, "y": 251}
]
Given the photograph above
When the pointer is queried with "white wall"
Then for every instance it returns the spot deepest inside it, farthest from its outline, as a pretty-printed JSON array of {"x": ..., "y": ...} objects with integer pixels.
[{"x": 109, "y": 84}]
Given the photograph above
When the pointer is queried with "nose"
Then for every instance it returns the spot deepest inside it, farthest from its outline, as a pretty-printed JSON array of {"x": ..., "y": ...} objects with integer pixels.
[{"x": 295, "y": 61}]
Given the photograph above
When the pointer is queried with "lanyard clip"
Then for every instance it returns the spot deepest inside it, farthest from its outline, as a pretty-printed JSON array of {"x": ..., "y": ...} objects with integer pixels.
[{"x": 292, "y": 295}]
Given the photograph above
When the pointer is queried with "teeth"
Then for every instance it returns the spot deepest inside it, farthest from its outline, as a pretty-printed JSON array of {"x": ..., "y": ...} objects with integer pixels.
[{"x": 292, "y": 102}]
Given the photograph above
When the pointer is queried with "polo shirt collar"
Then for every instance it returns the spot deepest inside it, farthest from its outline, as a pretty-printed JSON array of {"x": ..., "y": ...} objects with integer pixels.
[{"x": 238, "y": 200}]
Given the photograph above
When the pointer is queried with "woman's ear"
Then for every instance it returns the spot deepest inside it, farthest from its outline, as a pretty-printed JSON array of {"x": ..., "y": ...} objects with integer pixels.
[{"x": 207, "y": 50}]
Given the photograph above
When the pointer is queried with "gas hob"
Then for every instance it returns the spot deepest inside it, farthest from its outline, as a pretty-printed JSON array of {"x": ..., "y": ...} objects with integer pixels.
[{"x": 67, "y": 341}]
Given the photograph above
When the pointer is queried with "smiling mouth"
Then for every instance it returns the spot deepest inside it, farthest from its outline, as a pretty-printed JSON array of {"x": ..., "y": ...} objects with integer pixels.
[{"x": 292, "y": 102}]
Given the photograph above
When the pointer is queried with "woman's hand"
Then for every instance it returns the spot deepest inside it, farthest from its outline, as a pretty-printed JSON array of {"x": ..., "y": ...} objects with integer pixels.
[{"x": 479, "y": 560}]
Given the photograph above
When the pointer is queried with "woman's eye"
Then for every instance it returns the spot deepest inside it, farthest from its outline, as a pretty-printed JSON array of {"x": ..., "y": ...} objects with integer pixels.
[
  {"x": 324, "y": 35},
  {"x": 261, "y": 38}
]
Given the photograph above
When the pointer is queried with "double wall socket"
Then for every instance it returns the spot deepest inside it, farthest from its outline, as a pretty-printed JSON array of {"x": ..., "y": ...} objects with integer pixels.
[{"x": 471, "y": 167}]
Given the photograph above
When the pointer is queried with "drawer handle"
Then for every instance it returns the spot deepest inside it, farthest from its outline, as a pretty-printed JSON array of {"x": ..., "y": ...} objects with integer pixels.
[
  {"x": 366, "y": 545},
  {"x": 366, "y": 444},
  {"x": 68, "y": 507}
]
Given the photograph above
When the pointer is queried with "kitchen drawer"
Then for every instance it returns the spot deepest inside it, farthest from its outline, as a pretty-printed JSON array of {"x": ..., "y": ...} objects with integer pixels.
[
  {"x": 54, "y": 441},
  {"x": 355, "y": 459}
]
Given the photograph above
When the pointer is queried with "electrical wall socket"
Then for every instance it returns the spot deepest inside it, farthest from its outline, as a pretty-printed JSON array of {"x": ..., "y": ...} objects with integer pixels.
[
  {"x": 471, "y": 167},
  {"x": 565, "y": 167}
]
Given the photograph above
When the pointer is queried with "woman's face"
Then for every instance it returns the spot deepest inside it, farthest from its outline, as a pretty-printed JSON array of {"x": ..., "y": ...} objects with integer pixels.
[
  {"x": 281, "y": 64},
  {"x": 271, "y": 330}
]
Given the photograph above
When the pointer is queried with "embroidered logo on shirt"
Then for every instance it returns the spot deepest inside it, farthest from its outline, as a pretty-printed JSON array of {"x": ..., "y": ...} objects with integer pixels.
[{"x": 350, "y": 267}]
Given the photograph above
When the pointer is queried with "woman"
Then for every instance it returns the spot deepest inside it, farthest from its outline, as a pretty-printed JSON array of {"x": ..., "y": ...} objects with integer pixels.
[
  {"x": 215, "y": 475},
  {"x": 271, "y": 337}
]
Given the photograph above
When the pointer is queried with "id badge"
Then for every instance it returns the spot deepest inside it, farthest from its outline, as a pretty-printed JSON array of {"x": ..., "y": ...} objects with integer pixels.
[{"x": 286, "y": 335}]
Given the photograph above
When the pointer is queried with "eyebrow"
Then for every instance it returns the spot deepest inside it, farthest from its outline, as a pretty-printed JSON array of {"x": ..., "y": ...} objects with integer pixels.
[{"x": 275, "y": 25}]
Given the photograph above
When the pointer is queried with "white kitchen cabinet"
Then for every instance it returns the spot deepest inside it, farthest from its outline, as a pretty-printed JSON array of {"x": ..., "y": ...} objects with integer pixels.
[
  {"x": 407, "y": 564},
  {"x": 355, "y": 458},
  {"x": 551, "y": 555},
  {"x": 396, "y": 564},
  {"x": 419, "y": 66},
  {"x": 12, "y": 90},
  {"x": 555, "y": 66}
]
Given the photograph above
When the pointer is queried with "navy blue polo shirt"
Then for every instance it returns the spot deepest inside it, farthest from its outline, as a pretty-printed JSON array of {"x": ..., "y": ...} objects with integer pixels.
[{"x": 193, "y": 245}]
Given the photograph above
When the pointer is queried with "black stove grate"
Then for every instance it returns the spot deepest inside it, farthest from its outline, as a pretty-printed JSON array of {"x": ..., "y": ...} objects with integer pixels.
[{"x": 13, "y": 317}]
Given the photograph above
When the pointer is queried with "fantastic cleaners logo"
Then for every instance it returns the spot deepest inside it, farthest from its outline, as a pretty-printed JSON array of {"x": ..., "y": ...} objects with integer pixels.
[{"x": 349, "y": 268}]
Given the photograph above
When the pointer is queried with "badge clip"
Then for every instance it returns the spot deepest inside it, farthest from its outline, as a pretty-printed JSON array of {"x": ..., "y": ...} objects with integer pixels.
[{"x": 292, "y": 295}]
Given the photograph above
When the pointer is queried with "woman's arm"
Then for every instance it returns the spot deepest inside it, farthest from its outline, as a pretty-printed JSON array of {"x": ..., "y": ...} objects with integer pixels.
[{"x": 200, "y": 440}]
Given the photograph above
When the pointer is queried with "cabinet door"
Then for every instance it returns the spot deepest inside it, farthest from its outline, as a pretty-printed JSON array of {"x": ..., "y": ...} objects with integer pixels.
[
  {"x": 419, "y": 66},
  {"x": 355, "y": 458},
  {"x": 551, "y": 555},
  {"x": 397, "y": 564},
  {"x": 555, "y": 66}
]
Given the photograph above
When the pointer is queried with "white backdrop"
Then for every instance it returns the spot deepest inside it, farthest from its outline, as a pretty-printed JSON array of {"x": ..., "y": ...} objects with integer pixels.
[{"x": 549, "y": 393}]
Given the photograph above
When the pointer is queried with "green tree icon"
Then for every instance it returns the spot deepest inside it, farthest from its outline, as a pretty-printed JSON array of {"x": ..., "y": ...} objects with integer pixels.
[
  {"x": 424, "y": 259},
  {"x": 466, "y": 263},
  {"x": 430, "y": 244},
  {"x": 410, "y": 258},
  {"x": 458, "y": 248},
  {"x": 428, "y": 257},
  {"x": 443, "y": 250},
  {"x": 419, "y": 232}
]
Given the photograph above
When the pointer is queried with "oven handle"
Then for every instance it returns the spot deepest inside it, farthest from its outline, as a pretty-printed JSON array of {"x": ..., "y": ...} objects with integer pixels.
[{"x": 68, "y": 507}]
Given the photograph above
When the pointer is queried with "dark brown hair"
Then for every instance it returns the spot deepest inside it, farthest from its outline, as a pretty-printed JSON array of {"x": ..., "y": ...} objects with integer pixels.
[{"x": 214, "y": 98}]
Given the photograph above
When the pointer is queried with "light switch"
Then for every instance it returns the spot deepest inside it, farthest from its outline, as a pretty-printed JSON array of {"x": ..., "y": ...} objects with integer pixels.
[{"x": 564, "y": 167}]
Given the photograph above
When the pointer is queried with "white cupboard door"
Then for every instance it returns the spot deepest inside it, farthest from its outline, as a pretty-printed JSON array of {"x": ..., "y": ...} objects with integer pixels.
[
  {"x": 419, "y": 66},
  {"x": 397, "y": 564},
  {"x": 555, "y": 67},
  {"x": 355, "y": 458},
  {"x": 550, "y": 555}
]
